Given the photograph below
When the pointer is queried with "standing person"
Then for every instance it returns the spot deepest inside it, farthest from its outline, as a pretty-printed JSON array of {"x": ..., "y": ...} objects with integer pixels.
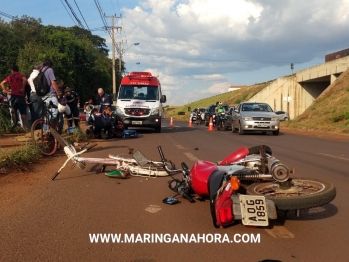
[
  {"x": 103, "y": 100},
  {"x": 17, "y": 82},
  {"x": 34, "y": 98},
  {"x": 53, "y": 95},
  {"x": 73, "y": 101},
  {"x": 63, "y": 101}
]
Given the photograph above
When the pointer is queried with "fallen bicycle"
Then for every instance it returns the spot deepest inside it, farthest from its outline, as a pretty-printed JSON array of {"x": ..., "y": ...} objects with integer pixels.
[{"x": 124, "y": 165}]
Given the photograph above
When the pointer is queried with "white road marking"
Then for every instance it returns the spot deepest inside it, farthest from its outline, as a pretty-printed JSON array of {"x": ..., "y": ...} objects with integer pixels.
[
  {"x": 153, "y": 208},
  {"x": 259, "y": 140},
  {"x": 179, "y": 146},
  {"x": 279, "y": 232},
  {"x": 343, "y": 158},
  {"x": 190, "y": 156}
]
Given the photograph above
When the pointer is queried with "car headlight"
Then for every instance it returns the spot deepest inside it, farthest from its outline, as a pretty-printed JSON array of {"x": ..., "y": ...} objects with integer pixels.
[
  {"x": 274, "y": 119},
  {"x": 119, "y": 111},
  {"x": 247, "y": 118},
  {"x": 155, "y": 111}
]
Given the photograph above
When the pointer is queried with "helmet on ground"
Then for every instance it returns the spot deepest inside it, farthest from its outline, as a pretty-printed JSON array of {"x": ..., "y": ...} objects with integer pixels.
[{"x": 61, "y": 108}]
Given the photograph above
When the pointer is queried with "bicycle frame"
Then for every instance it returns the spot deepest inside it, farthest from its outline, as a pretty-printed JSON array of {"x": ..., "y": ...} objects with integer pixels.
[
  {"x": 41, "y": 131},
  {"x": 124, "y": 165}
]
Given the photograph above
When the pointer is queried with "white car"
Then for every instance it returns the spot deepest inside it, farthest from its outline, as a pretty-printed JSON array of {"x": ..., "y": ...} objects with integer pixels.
[
  {"x": 193, "y": 113},
  {"x": 282, "y": 115}
]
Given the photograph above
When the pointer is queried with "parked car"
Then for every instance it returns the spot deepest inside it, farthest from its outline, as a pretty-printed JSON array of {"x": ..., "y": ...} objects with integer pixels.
[
  {"x": 282, "y": 115},
  {"x": 253, "y": 116}
]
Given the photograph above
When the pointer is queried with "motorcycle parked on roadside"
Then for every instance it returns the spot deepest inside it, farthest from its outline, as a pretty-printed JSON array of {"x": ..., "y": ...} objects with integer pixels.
[{"x": 248, "y": 185}]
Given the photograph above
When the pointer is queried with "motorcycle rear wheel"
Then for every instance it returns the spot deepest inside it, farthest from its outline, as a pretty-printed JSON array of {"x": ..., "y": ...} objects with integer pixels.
[{"x": 302, "y": 194}]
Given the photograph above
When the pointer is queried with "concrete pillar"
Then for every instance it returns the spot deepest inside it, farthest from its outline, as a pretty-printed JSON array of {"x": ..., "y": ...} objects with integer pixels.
[{"x": 333, "y": 78}]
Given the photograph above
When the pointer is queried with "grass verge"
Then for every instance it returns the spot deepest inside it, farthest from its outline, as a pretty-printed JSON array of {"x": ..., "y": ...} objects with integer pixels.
[{"x": 20, "y": 158}]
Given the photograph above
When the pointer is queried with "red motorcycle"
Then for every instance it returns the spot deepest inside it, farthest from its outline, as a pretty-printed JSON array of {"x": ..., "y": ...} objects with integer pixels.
[{"x": 249, "y": 185}]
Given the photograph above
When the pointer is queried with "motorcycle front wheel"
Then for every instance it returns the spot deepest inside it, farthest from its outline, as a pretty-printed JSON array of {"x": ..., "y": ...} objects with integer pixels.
[{"x": 298, "y": 193}]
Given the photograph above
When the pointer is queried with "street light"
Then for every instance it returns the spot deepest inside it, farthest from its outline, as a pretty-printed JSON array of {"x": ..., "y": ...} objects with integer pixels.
[
  {"x": 121, "y": 52},
  {"x": 128, "y": 70}
]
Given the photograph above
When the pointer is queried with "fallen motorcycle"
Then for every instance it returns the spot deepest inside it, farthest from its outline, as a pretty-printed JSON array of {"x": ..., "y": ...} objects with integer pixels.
[{"x": 249, "y": 185}]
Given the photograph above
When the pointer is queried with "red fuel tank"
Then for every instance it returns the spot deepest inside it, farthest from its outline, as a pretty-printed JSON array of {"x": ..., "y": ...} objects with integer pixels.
[
  {"x": 199, "y": 175},
  {"x": 235, "y": 156}
]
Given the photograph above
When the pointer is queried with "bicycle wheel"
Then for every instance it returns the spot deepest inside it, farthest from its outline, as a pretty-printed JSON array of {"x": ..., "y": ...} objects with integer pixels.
[
  {"x": 14, "y": 117},
  {"x": 42, "y": 137}
]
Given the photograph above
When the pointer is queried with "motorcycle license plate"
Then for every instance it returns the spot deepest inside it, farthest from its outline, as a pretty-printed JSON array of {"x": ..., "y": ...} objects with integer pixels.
[
  {"x": 136, "y": 122},
  {"x": 253, "y": 210}
]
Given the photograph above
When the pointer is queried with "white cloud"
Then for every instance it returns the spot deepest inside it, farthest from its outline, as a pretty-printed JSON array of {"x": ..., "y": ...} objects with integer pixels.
[{"x": 198, "y": 46}]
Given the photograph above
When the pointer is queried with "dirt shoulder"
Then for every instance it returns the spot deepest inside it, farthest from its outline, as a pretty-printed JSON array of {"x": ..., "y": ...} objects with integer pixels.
[{"x": 315, "y": 133}]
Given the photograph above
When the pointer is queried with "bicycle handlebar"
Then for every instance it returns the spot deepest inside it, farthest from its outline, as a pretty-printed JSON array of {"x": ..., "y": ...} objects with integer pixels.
[{"x": 163, "y": 159}]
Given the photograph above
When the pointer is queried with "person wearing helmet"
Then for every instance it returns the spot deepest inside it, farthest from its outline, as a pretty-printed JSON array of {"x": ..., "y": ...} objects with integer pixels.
[
  {"x": 218, "y": 110},
  {"x": 73, "y": 101}
]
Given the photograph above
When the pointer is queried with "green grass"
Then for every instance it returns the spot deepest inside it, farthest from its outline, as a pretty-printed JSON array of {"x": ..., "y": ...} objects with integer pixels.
[{"x": 20, "y": 157}]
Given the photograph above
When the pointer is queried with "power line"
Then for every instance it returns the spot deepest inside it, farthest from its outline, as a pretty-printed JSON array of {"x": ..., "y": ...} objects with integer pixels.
[
  {"x": 73, "y": 13},
  {"x": 81, "y": 15},
  {"x": 68, "y": 12}
]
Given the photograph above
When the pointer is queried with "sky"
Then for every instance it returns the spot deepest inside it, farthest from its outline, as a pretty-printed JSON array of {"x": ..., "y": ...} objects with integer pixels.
[{"x": 199, "y": 48}]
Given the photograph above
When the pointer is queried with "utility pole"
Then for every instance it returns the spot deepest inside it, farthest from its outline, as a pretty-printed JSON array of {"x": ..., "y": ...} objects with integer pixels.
[{"x": 113, "y": 48}]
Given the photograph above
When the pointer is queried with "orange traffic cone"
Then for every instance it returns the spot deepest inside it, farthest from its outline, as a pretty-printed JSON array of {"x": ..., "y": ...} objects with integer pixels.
[
  {"x": 210, "y": 125},
  {"x": 171, "y": 122},
  {"x": 190, "y": 123}
]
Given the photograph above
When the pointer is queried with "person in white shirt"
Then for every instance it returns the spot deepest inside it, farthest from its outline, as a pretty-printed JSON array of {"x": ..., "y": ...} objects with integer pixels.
[{"x": 37, "y": 100}]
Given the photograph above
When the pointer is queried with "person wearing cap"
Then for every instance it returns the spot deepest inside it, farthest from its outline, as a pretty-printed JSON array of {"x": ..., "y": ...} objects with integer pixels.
[{"x": 73, "y": 101}]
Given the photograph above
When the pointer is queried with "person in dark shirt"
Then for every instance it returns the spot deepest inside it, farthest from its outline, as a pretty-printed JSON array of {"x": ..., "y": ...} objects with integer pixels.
[{"x": 103, "y": 100}]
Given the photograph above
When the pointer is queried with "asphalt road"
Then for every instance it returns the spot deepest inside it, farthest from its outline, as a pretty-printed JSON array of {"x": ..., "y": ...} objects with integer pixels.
[{"x": 53, "y": 220}]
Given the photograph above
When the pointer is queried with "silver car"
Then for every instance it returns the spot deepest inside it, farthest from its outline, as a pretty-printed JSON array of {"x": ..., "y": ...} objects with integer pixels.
[
  {"x": 282, "y": 115},
  {"x": 253, "y": 116}
]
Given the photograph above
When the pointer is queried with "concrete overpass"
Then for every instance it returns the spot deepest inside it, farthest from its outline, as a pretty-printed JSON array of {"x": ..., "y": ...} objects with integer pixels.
[{"x": 297, "y": 92}]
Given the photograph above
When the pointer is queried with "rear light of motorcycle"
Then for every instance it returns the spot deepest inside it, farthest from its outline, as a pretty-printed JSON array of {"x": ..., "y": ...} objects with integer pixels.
[{"x": 223, "y": 206}]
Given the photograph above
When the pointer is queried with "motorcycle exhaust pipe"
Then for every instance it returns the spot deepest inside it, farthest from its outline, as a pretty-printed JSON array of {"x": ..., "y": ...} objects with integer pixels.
[{"x": 248, "y": 174}]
